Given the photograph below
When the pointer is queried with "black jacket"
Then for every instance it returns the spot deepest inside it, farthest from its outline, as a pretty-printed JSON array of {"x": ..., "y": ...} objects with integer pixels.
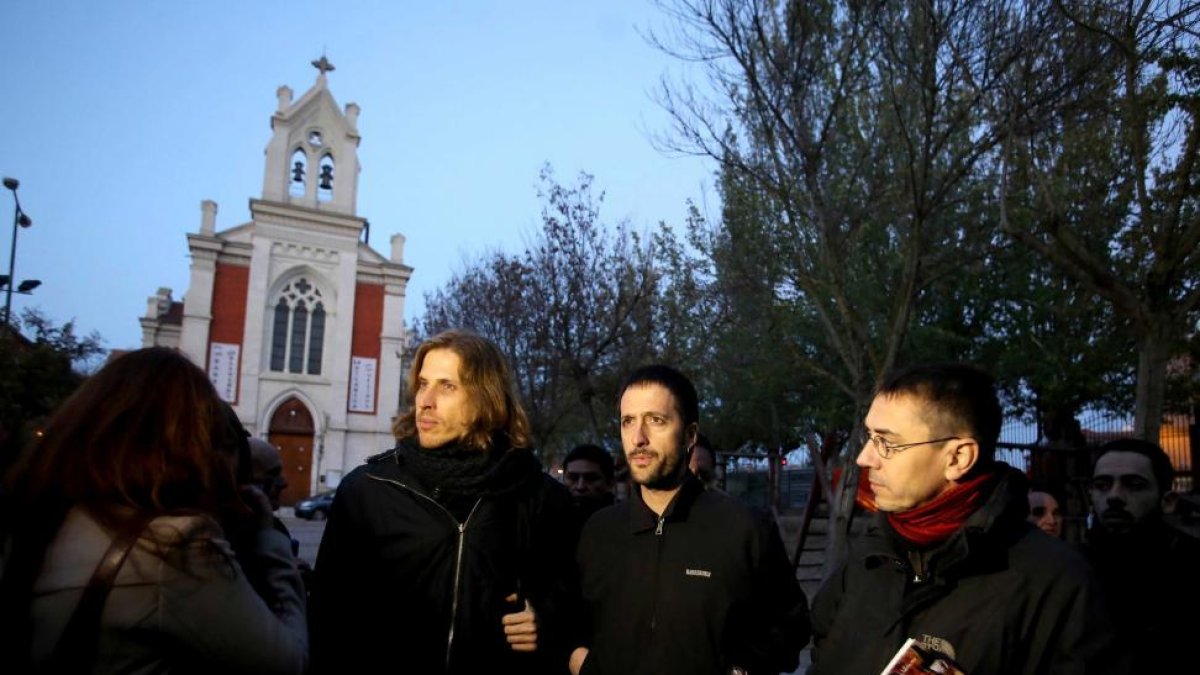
[
  {"x": 707, "y": 587},
  {"x": 401, "y": 586},
  {"x": 1152, "y": 576},
  {"x": 1002, "y": 596}
]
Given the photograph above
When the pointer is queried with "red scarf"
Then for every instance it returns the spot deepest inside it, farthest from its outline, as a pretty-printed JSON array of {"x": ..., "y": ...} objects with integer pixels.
[{"x": 934, "y": 522}]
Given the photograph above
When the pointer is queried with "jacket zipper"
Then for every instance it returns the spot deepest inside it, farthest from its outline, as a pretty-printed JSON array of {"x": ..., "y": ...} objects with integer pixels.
[
  {"x": 658, "y": 530},
  {"x": 458, "y": 556}
]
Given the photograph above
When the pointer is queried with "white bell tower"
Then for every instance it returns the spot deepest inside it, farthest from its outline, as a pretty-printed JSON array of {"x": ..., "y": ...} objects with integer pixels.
[{"x": 312, "y": 158}]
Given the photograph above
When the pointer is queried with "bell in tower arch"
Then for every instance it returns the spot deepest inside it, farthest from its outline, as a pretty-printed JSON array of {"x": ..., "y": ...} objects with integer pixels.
[{"x": 325, "y": 179}]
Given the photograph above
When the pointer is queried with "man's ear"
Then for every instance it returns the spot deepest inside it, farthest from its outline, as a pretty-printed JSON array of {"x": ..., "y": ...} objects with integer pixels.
[
  {"x": 1169, "y": 501},
  {"x": 690, "y": 435},
  {"x": 963, "y": 455}
]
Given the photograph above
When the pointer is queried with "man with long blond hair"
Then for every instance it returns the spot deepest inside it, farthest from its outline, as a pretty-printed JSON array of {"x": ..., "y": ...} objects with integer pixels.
[{"x": 448, "y": 553}]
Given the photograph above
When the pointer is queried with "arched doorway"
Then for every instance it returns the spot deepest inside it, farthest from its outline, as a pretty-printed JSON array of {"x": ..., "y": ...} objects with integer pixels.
[{"x": 291, "y": 431}]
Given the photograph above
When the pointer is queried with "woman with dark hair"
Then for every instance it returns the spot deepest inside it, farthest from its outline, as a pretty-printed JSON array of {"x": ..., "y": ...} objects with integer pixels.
[
  {"x": 1045, "y": 510},
  {"x": 145, "y": 452}
]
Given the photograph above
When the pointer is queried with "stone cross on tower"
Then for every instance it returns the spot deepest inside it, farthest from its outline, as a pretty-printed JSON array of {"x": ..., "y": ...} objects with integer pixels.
[{"x": 322, "y": 64}]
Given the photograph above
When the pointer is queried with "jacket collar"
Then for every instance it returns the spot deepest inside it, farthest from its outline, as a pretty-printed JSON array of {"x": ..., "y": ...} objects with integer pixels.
[
  {"x": 998, "y": 519},
  {"x": 642, "y": 518}
]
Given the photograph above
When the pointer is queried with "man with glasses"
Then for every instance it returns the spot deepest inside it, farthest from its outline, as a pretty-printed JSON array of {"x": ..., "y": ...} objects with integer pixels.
[{"x": 949, "y": 568}]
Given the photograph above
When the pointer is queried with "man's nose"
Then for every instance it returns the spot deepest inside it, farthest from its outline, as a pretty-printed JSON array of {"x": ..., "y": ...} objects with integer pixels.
[
  {"x": 867, "y": 457},
  {"x": 642, "y": 438},
  {"x": 1115, "y": 493},
  {"x": 424, "y": 400}
]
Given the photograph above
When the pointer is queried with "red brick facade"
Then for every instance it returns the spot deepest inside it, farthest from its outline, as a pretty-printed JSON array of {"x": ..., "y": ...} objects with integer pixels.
[
  {"x": 368, "y": 324},
  {"x": 230, "y": 286}
]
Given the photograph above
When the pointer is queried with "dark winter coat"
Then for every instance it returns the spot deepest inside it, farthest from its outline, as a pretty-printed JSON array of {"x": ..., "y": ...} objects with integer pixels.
[
  {"x": 1152, "y": 576},
  {"x": 402, "y": 586},
  {"x": 1000, "y": 597},
  {"x": 706, "y": 587}
]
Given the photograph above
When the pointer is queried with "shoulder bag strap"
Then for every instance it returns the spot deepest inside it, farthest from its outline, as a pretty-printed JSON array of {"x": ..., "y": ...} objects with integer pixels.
[{"x": 76, "y": 648}]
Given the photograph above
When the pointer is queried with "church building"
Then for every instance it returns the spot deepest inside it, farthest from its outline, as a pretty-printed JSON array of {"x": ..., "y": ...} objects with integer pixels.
[{"x": 298, "y": 322}]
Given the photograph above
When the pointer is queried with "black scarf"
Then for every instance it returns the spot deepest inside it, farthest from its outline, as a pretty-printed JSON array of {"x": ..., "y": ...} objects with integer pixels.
[{"x": 457, "y": 471}]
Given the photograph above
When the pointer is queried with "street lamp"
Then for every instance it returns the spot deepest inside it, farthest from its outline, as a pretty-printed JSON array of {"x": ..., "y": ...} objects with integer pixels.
[{"x": 20, "y": 219}]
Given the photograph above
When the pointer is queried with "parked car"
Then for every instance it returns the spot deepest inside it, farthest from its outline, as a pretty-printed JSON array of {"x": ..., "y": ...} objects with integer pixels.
[{"x": 315, "y": 507}]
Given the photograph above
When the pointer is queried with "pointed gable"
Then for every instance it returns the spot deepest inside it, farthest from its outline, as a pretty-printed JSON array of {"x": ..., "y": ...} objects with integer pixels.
[{"x": 312, "y": 157}]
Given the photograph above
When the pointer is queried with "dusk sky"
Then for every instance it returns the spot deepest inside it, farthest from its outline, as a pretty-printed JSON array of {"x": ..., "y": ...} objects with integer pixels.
[{"x": 120, "y": 117}]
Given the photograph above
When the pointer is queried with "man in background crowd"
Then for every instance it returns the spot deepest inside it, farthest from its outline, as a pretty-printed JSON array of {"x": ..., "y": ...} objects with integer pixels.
[
  {"x": 588, "y": 474},
  {"x": 1150, "y": 570}
]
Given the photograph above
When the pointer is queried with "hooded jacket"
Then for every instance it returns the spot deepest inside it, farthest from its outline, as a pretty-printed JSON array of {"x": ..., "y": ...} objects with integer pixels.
[
  {"x": 706, "y": 587},
  {"x": 999, "y": 596},
  {"x": 403, "y": 585}
]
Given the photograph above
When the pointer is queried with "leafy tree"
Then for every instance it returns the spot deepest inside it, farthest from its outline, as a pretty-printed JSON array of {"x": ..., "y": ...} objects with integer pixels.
[
  {"x": 37, "y": 373},
  {"x": 860, "y": 128},
  {"x": 573, "y": 311},
  {"x": 1108, "y": 193}
]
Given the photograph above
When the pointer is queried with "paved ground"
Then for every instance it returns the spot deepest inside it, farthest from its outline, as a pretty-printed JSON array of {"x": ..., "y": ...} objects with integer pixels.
[{"x": 308, "y": 533}]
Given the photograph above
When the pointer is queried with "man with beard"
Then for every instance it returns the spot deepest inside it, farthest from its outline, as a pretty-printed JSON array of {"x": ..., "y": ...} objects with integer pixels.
[
  {"x": 449, "y": 553},
  {"x": 1148, "y": 568},
  {"x": 678, "y": 579},
  {"x": 950, "y": 561},
  {"x": 588, "y": 474}
]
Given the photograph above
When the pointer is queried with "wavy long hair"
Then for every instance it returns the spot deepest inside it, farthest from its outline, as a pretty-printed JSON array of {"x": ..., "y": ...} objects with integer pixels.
[
  {"x": 491, "y": 390},
  {"x": 148, "y": 432},
  {"x": 146, "y": 436}
]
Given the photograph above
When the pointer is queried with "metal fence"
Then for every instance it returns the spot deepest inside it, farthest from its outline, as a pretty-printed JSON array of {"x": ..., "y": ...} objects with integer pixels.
[{"x": 750, "y": 477}]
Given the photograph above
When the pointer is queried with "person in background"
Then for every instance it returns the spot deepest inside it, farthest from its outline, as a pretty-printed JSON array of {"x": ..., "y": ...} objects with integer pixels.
[
  {"x": 949, "y": 560},
  {"x": 266, "y": 472},
  {"x": 588, "y": 474},
  {"x": 450, "y": 553},
  {"x": 1045, "y": 512},
  {"x": 703, "y": 462},
  {"x": 679, "y": 579},
  {"x": 1149, "y": 569},
  {"x": 145, "y": 452}
]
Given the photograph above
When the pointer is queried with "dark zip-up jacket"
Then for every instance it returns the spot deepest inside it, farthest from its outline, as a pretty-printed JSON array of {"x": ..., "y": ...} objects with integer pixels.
[
  {"x": 705, "y": 587},
  {"x": 402, "y": 586},
  {"x": 999, "y": 596},
  {"x": 1152, "y": 575}
]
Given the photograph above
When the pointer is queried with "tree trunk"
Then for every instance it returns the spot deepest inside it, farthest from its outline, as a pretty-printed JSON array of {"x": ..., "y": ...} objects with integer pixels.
[{"x": 1154, "y": 350}]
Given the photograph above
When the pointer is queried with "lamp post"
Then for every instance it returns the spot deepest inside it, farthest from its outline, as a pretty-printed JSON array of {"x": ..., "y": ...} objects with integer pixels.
[{"x": 20, "y": 219}]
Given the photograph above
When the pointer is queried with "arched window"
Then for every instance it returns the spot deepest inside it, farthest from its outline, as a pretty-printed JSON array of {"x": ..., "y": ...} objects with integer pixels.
[
  {"x": 298, "y": 329},
  {"x": 325, "y": 179},
  {"x": 296, "y": 186}
]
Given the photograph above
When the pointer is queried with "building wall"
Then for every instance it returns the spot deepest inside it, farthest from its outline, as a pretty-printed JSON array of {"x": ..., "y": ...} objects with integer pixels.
[{"x": 237, "y": 273}]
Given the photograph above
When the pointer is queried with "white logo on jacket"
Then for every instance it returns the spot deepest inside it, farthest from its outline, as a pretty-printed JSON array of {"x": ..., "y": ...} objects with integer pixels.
[{"x": 697, "y": 573}]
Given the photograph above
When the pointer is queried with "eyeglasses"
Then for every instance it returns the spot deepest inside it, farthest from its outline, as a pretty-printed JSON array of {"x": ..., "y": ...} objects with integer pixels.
[{"x": 886, "y": 450}]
